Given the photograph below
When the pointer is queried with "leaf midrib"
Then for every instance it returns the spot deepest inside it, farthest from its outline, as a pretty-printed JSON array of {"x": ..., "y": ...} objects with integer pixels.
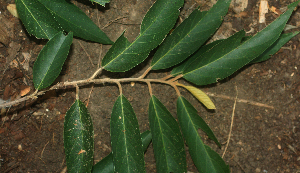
[
  {"x": 179, "y": 41},
  {"x": 49, "y": 67},
  {"x": 163, "y": 141},
  {"x": 69, "y": 21},
  {"x": 134, "y": 41},
  {"x": 196, "y": 130},
  {"x": 34, "y": 18}
]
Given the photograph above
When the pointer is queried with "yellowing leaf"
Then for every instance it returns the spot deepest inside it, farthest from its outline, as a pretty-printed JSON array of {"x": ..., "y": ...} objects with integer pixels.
[
  {"x": 13, "y": 10},
  {"x": 201, "y": 96}
]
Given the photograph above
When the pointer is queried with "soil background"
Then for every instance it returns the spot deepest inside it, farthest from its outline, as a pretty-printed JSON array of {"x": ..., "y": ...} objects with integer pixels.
[{"x": 262, "y": 140}]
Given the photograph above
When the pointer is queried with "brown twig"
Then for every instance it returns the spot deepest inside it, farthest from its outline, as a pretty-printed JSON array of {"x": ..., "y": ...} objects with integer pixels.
[
  {"x": 240, "y": 100},
  {"x": 96, "y": 73},
  {"x": 112, "y": 21},
  {"x": 176, "y": 78},
  {"x": 145, "y": 73},
  {"x": 44, "y": 149},
  {"x": 150, "y": 89},
  {"x": 88, "y": 100},
  {"x": 231, "y": 124},
  {"x": 86, "y": 53}
]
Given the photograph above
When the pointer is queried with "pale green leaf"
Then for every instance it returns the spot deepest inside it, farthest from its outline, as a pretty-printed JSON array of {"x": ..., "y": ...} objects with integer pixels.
[{"x": 201, "y": 96}]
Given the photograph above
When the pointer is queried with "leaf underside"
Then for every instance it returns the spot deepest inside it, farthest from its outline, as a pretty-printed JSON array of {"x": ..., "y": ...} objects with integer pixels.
[
  {"x": 166, "y": 138},
  {"x": 156, "y": 24},
  {"x": 189, "y": 36},
  {"x": 205, "y": 159},
  {"x": 128, "y": 155},
  {"x": 217, "y": 66},
  {"x": 78, "y": 138},
  {"x": 51, "y": 59},
  {"x": 71, "y": 18},
  {"x": 37, "y": 19}
]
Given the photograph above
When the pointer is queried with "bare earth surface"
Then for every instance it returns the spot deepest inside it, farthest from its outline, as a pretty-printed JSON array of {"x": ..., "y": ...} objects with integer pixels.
[{"x": 263, "y": 139}]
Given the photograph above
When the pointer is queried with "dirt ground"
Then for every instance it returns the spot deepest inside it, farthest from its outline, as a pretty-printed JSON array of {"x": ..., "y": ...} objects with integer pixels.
[{"x": 263, "y": 139}]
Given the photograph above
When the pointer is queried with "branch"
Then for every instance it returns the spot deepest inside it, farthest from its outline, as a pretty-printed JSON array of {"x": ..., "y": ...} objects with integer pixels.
[{"x": 64, "y": 85}]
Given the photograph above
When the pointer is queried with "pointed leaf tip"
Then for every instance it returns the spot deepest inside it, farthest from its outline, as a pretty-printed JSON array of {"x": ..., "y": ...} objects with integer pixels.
[
  {"x": 221, "y": 61},
  {"x": 201, "y": 96}
]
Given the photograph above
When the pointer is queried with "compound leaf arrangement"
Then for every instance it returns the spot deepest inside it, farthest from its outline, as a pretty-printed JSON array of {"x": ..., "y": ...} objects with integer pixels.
[{"x": 183, "y": 51}]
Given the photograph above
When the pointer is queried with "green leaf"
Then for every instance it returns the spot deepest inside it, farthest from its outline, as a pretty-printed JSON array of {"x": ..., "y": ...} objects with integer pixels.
[
  {"x": 101, "y": 2},
  {"x": 126, "y": 141},
  {"x": 71, "y": 18},
  {"x": 106, "y": 165},
  {"x": 180, "y": 68},
  {"x": 219, "y": 63},
  {"x": 51, "y": 59},
  {"x": 205, "y": 159},
  {"x": 189, "y": 36},
  {"x": 37, "y": 19},
  {"x": 156, "y": 24},
  {"x": 167, "y": 141},
  {"x": 213, "y": 61},
  {"x": 78, "y": 139},
  {"x": 284, "y": 38}
]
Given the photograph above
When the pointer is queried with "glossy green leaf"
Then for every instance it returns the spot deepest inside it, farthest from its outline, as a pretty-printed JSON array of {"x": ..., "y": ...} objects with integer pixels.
[
  {"x": 205, "y": 159},
  {"x": 51, "y": 59},
  {"x": 189, "y": 36},
  {"x": 219, "y": 63},
  {"x": 101, "y": 2},
  {"x": 180, "y": 68},
  {"x": 128, "y": 155},
  {"x": 284, "y": 38},
  {"x": 156, "y": 24},
  {"x": 71, "y": 18},
  {"x": 167, "y": 141},
  {"x": 37, "y": 19},
  {"x": 213, "y": 61},
  {"x": 106, "y": 165},
  {"x": 78, "y": 139}
]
